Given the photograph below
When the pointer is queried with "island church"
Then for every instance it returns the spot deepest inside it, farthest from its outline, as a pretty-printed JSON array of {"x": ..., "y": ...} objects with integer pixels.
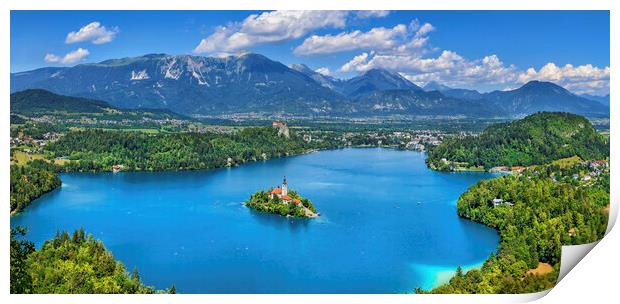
[{"x": 282, "y": 193}]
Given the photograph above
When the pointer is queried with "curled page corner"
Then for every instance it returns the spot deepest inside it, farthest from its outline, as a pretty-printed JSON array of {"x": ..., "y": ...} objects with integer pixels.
[
  {"x": 531, "y": 297},
  {"x": 571, "y": 255},
  {"x": 503, "y": 298}
]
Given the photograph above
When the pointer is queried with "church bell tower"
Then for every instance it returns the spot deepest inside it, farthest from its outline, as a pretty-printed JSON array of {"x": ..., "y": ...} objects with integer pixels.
[{"x": 284, "y": 187}]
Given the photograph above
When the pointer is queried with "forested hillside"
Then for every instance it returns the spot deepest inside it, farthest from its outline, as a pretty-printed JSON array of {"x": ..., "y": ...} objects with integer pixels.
[
  {"x": 31, "y": 181},
  {"x": 541, "y": 210},
  {"x": 42, "y": 101},
  {"x": 537, "y": 139},
  {"x": 76, "y": 264},
  {"x": 38, "y": 102}
]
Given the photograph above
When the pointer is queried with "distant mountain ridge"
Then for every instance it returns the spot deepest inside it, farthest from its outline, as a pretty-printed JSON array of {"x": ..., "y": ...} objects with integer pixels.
[
  {"x": 254, "y": 83},
  {"x": 534, "y": 96},
  {"x": 604, "y": 100},
  {"x": 452, "y": 92},
  {"x": 419, "y": 102},
  {"x": 377, "y": 80},
  {"x": 187, "y": 84},
  {"x": 538, "y": 96},
  {"x": 39, "y": 102},
  {"x": 326, "y": 81}
]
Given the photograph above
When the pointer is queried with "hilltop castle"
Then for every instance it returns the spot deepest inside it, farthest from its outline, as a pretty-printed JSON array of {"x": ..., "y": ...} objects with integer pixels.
[{"x": 282, "y": 128}]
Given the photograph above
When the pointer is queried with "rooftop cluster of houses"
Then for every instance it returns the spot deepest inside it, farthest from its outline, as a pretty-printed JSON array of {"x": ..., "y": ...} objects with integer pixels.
[
  {"x": 596, "y": 168},
  {"x": 36, "y": 143},
  {"x": 506, "y": 169},
  {"x": 91, "y": 121},
  {"x": 411, "y": 140},
  {"x": 596, "y": 164}
]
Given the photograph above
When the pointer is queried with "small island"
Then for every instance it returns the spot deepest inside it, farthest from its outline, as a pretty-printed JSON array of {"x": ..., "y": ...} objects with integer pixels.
[{"x": 280, "y": 201}]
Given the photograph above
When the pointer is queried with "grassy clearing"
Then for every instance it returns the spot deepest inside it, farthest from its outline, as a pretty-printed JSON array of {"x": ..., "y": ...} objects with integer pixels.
[
  {"x": 542, "y": 269},
  {"x": 21, "y": 157},
  {"x": 567, "y": 162}
]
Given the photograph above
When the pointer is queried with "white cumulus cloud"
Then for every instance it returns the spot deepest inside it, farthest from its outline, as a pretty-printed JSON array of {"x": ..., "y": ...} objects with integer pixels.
[
  {"x": 452, "y": 69},
  {"x": 424, "y": 30},
  {"x": 448, "y": 68},
  {"x": 377, "y": 38},
  {"x": 401, "y": 48},
  {"x": 269, "y": 27},
  {"x": 93, "y": 32},
  {"x": 358, "y": 63},
  {"x": 410, "y": 57},
  {"x": 372, "y": 14},
  {"x": 579, "y": 79},
  {"x": 398, "y": 39},
  {"x": 71, "y": 57}
]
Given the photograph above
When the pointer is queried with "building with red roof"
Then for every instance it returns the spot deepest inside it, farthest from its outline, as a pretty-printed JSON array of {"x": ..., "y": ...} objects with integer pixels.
[
  {"x": 281, "y": 192},
  {"x": 277, "y": 191}
]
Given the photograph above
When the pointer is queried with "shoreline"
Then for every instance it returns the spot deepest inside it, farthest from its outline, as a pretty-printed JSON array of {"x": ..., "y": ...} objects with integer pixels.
[
  {"x": 16, "y": 212},
  {"x": 444, "y": 276},
  {"x": 438, "y": 275},
  {"x": 309, "y": 151}
]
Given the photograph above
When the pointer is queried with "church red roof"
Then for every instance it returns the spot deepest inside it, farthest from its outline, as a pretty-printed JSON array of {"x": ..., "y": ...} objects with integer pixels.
[
  {"x": 296, "y": 201},
  {"x": 276, "y": 191},
  {"x": 286, "y": 197}
]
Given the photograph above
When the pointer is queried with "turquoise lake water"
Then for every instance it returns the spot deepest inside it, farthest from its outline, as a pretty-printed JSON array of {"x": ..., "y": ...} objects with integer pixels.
[{"x": 388, "y": 224}]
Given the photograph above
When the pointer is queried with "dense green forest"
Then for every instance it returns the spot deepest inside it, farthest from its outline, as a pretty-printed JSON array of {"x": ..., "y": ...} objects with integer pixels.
[
  {"x": 31, "y": 181},
  {"x": 261, "y": 201},
  {"x": 74, "y": 263},
  {"x": 97, "y": 150},
  {"x": 546, "y": 210},
  {"x": 535, "y": 140}
]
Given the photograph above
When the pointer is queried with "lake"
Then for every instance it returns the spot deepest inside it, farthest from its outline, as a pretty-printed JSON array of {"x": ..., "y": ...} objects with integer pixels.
[{"x": 388, "y": 224}]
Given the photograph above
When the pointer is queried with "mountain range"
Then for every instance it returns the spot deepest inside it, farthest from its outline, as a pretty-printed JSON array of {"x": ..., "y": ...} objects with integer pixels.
[{"x": 254, "y": 83}]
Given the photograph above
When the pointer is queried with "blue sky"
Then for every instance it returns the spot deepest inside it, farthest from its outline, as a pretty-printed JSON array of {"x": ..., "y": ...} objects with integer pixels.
[{"x": 484, "y": 50}]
